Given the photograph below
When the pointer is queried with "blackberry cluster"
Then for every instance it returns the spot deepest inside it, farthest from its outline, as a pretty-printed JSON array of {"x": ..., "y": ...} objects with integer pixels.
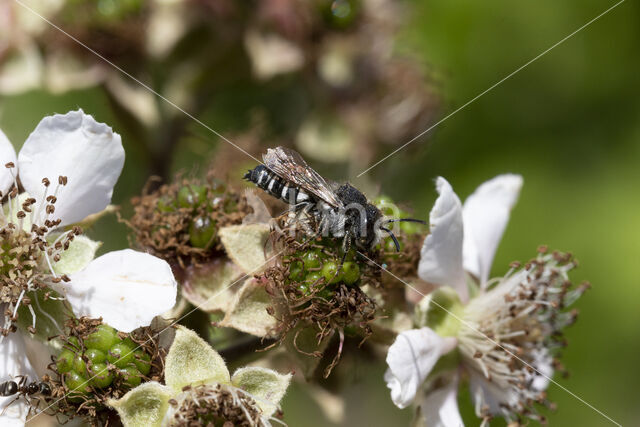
[
  {"x": 102, "y": 358},
  {"x": 316, "y": 271},
  {"x": 200, "y": 201},
  {"x": 179, "y": 222},
  {"x": 410, "y": 235}
]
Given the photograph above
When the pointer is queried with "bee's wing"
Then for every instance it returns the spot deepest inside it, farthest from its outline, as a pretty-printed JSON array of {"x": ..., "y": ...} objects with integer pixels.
[{"x": 290, "y": 165}]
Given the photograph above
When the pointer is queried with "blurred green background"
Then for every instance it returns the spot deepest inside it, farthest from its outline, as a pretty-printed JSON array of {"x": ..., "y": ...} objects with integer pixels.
[{"x": 569, "y": 123}]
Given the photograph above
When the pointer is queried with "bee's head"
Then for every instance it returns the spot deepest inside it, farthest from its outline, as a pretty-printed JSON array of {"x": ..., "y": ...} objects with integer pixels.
[{"x": 371, "y": 235}]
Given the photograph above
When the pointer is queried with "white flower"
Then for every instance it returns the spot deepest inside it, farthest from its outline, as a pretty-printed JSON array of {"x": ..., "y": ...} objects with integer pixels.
[
  {"x": 508, "y": 327},
  {"x": 68, "y": 167},
  {"x": 13, "y": 360}
]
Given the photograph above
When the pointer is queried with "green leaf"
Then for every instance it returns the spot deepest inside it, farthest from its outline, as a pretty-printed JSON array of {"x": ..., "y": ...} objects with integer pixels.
[
  {"x": 191, "y": 361},
  {"x": 245, "y": 245},
  {"x": 211, "y": 287},
  {"x": 265, "y": 385},
  {"x": 248, "y": 312},
  {"x": 144, "y": 406}
]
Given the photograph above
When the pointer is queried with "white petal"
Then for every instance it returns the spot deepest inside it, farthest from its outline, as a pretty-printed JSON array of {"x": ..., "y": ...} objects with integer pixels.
[
  {"x": 7, "y": 154},
  {"x": 488, "y": 395},
  {"x": 441, "y": 254},
  {"x": 486, "y": 213},
  {"x": 410, "y": 359},
  {"x": 14, "y": 362},
  {"x": 126, "y": 288},
  {"x": 439, "y": 407},
  {"x": 543, "y": 363},
  {"x": 74, "y": 145}
]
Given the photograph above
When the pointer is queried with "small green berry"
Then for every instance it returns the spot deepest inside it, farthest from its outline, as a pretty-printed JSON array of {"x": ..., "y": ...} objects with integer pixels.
[
  {"x": 95, "y": 356},
  {"x": 142, "y": 361},
  {"x": 382, "y": 200},
  {"x": 201, "y": 232},
  {"x": 131, "y": 376},
  {"x": 303, "y": 288},
  {"x": 330, "y": 272},
  {"x": 313, "y": 278},
  {"x": 191, "y": 196},
  {"x": 386, "y": 206},
  {"x": 296, "y": 271},
  {"x": 100, "y": 375},
  {"x": 120, "y": 355},
  {"x": 79, "y": 364},
  {"x": 76, "y": 383},
  {"x": 350, "y": 272},
  {"x": 131, "y": 343},
  {"x": 64, "y": 362},
  {"x": 102, "y": 339},
  {"x": 312, "y": 259},
  {"x": 215, "y": 203},
  {"x": 73, "y": 343}
]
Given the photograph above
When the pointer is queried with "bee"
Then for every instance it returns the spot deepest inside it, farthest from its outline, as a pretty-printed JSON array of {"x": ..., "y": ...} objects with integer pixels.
[
  {"x": 339, "y": 210},
  {"x": 23, "y": 388}
]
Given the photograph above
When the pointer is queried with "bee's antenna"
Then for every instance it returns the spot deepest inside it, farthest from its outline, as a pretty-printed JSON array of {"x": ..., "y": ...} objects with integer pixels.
[
  {"x": 419, "y": 221},
  {"x": 395, "y": 240}
]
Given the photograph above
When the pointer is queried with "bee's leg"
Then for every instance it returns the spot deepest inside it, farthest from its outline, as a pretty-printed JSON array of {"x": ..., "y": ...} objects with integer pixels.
[{"x": 346, "y": 247}]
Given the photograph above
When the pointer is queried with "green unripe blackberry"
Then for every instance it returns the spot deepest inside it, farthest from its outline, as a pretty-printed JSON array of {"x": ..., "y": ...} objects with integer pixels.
[
  {"x": 296, "y": 271},
  {"x": 103, "y": 349},
  {"x": 330, "y": 272},
  {"x": 131, "y": 376},
  {"x": 312, "y": 259},
  {"x": 120, "y": 355},
  {"x": 191, "y": 196},
  {"x": 73, "y": 343},
  {"x": 76, "y": 384},
  {"x": 79, "y": 364},
  {"x": 350, "y": 272},
  {"x": 313, "y": 278},
  {"x": 100, "y": 375},
  {"x": 131, "y": 343},
  {"x": 201, "y": 232},
  {"x": 102, "y": 339},
  {"x": 142, "y": 361},
  {"x": 64, "y": 363},
  {"x": 304, "y": 288},
  {"x": 95, "y": 356}
]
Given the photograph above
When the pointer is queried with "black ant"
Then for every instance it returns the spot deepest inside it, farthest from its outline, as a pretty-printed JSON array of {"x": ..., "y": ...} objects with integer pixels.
[{"x": 23, "y": 388}]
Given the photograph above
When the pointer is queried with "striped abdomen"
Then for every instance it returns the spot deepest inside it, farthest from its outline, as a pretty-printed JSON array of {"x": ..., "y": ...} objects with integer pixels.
[{"x": 278, "y": 187}]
